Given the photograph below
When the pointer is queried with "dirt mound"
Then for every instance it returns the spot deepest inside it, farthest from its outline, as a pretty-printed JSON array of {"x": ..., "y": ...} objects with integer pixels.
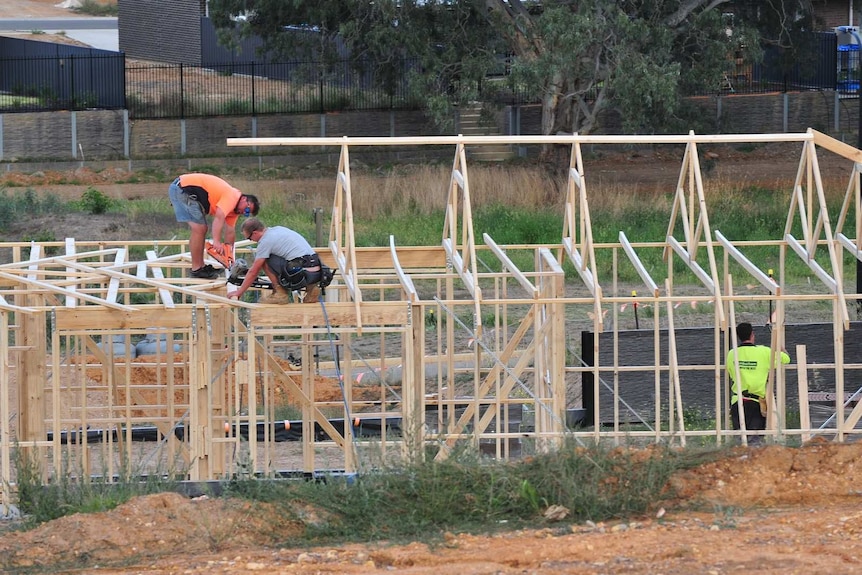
[
  {"x": 145, "y": 527},
  {"x": 777, "y": 476},
  {"x": 764, "y": 510},
  {"x": 83, "y": 177}
]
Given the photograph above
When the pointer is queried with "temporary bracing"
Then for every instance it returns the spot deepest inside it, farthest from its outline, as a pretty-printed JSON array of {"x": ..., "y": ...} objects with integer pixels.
[{"x": 477, "y": 345}]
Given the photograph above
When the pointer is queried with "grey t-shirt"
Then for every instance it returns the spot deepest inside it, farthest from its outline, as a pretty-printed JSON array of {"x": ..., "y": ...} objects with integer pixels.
[{"x": 283, "y": 242}]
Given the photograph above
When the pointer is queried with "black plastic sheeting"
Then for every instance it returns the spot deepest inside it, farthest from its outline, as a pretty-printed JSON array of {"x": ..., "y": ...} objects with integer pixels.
[{"x": 279, "y": 431}]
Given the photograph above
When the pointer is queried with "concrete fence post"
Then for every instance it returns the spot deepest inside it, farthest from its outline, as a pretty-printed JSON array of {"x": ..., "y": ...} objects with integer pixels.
[
  {"x": 836, "y": 106},
  {"x": 254, "y": 131},
  {"x": 126, "y": 135},
  {"x": 322, "y": 128},
  {"x": 718, "y": 101},
  {"x": 74, "y": 134}
]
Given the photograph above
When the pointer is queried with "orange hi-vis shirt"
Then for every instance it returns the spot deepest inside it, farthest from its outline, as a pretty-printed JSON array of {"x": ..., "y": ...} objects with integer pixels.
[
  {"x": 212, "y": 192},
  {"x": 754, "y": 365}
]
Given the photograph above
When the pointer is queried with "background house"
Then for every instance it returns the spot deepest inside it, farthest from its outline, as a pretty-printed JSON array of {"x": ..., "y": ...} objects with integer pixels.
[
  {"x": 180, "y": 32},
  {"x": 833, "y": 13},
  {"x": 175, "y": 32}
]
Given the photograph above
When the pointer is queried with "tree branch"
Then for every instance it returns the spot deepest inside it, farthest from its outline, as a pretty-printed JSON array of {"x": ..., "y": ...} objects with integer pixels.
[{"x": 686, "y": 8}]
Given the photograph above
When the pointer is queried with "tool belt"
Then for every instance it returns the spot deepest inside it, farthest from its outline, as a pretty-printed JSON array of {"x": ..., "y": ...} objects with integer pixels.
[
  {"x": 309, "y": 262},
  {"x": 304, "y": 271},
  {"x": 758, "y": 399}
]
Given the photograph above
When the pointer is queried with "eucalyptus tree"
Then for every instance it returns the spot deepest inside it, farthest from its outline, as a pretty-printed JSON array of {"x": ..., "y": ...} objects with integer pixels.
[{"x": 578, "y": 57}]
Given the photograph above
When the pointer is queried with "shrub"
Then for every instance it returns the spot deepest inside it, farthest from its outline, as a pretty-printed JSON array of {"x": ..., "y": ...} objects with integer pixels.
[
  {"x": 96, "y": 8},
  {"x": 95, "y": 202}
]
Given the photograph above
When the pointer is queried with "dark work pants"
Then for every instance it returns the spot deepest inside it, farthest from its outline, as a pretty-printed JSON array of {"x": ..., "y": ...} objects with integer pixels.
[{"x": 754, "y": 421}]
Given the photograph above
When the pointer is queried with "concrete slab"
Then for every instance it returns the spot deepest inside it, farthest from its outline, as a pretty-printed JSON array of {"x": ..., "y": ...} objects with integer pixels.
[{"x": 101, "y": 39}]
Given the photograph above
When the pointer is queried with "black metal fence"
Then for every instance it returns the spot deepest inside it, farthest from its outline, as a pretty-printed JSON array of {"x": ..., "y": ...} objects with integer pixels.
[
  {"x": 44, "y": 76},
  {"x": 815, "y": 69},
  {"x": 243, "y": 88},
  {"x": 68, "y": 83},
  {"x": 148, "y": 91}
]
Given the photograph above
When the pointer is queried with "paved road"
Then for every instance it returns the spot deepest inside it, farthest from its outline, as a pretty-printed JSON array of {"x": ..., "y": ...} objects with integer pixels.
[
  {"x": 99, "y": 33},
  {"x": 46, "y": 24}
]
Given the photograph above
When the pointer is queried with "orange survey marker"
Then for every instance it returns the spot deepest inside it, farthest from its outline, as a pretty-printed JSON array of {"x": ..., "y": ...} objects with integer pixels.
[{"x": 225, "y": 259}]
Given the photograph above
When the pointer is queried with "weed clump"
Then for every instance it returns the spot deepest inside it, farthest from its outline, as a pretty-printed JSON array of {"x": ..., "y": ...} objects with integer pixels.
[{"x": 469, "y": 493}]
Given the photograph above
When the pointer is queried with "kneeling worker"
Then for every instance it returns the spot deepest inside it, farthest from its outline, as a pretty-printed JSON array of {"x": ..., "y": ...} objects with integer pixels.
[{"x": 281, "y": 253}]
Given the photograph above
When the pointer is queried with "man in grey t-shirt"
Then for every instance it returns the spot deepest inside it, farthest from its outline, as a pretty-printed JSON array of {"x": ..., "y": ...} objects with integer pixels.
[{"x": 279, "y": 249}]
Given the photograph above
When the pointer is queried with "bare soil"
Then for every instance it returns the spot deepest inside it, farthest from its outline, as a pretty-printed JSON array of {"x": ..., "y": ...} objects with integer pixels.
[
  {"x": 34, "y": 9},
  {"x": 766, "y": 510},
  {"x": 761, "y": 510}
]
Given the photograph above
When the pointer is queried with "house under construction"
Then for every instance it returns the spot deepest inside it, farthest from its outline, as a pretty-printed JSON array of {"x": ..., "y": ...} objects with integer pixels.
[{"x": 117, "y": 364}]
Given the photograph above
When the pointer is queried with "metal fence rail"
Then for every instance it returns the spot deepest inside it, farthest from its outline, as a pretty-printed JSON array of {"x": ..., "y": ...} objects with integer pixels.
[
  {"x": 243, "y": 88},
  {"x": 152, "y": 91},
  {"x": 66, "y": 82},
  {"x": 816, "y": 69}
]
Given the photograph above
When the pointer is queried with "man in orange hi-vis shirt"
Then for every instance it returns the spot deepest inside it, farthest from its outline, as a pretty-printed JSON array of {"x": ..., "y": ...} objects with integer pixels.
[
  {"x": 194, "y": 197},
  {"x": 754, "y": 362}
]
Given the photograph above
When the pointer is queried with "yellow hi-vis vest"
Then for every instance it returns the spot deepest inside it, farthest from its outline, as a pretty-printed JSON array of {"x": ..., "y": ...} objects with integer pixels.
[{"x": 754, "y": 363}]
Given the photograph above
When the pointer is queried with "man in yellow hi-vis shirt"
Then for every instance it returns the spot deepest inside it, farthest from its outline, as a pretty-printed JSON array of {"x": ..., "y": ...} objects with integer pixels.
[{"x": 754, "y": 365}]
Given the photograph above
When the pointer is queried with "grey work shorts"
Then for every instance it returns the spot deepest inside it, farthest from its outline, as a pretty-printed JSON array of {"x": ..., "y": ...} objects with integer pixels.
[{"x": 186, "y": 209}]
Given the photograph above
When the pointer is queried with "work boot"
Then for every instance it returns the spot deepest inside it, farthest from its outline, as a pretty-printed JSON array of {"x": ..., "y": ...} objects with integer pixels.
[
  {"x": 278, "y": 295},
  {"x": 311, "y": 294},
  {"x": 205, "y": 272}
]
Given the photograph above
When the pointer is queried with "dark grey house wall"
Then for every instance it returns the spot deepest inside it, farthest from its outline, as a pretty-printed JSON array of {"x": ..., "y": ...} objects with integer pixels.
[
  {"x": 180, "y": 32},
  {"x": 213, "y": 53},
  {"x": 161, "y": 30},
  {"x": 697, "y": 386},
  {"x": 176, "y": 32}
]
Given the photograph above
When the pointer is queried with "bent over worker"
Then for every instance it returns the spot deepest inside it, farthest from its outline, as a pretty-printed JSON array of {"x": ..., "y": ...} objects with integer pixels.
[
  {"x": 194, "y": 196},
  {"x": 754, "y": 361},
  {"x": 281, "y": 253}
]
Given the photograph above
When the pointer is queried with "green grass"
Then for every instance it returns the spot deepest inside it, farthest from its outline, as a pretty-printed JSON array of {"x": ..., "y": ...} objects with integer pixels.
[
  {"x": 147, "y": 208},
  {"x": 402, "y": 207},
  {"x": 419, "y": 500},
  {"x": 23, "y": 204},
  {"x": 14, "y": 101},
  {"x": 40, "y": 501},
  {"x": 147, "y": 175},
  {"x": 467, "y": 494}
]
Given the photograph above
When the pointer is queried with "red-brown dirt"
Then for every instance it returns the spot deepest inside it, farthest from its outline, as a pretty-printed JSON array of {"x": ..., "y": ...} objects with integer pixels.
[
  {"x": 145, "y": 370},
  {"x": 765, "y": 510},
  {"x": 768, "y": 510}
]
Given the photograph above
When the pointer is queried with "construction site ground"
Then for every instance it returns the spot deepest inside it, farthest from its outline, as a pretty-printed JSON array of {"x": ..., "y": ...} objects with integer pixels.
[{"x": 758, "y": 510}]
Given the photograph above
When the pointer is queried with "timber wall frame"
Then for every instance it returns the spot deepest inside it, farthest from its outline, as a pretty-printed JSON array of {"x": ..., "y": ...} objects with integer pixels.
[{"x": 464, "y": 345}]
